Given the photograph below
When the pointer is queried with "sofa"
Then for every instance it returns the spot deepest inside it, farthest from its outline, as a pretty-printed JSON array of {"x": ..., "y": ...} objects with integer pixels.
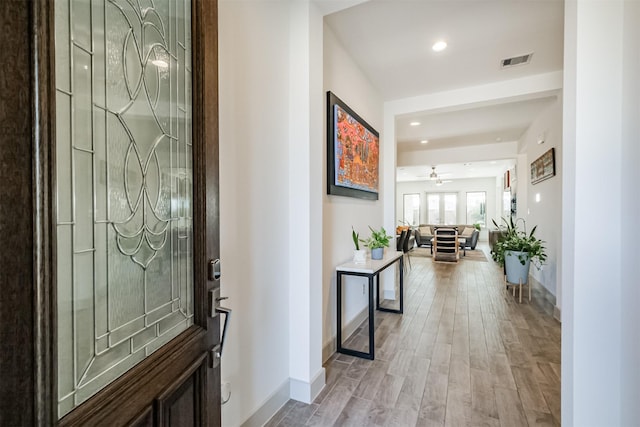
[{"x": 424, "y": 233}]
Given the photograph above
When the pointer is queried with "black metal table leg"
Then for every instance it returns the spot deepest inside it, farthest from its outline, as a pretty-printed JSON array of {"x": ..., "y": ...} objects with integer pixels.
[
  {"x": 372, "y": 275},
  {"x": 339, "y": 313}
]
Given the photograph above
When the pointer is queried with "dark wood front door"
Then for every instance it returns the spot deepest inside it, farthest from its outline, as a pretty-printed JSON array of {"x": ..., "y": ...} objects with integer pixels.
[{"x": 110, "y": 225}]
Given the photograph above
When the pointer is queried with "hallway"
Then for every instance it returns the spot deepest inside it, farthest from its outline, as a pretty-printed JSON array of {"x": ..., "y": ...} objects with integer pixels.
[{"x": 463, "y": 353}]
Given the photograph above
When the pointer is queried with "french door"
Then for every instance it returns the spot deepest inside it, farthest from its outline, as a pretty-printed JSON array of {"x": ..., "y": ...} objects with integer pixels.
[
  {"x": 125, "y": 211},
  {"x": 442, "y": 208}
]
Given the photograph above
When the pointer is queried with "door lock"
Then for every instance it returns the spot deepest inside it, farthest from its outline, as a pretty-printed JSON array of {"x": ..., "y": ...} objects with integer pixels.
[{"x": 214, "y": 270}]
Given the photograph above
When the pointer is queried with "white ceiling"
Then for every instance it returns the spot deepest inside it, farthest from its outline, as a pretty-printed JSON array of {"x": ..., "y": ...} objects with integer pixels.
[
  {"x": 471, "y": 126},
  {"x": 452, "y": 171},
  {"x": 391, "y": 42}
]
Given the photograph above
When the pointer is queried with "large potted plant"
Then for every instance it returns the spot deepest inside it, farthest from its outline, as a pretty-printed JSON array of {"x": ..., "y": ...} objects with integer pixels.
[
  {"x": 516, "y": 250},
  {"x": 377, "y": 242}
]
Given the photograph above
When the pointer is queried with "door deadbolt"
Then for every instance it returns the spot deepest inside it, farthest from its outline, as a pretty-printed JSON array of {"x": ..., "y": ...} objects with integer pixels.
[{"x": 214, "y": 269}]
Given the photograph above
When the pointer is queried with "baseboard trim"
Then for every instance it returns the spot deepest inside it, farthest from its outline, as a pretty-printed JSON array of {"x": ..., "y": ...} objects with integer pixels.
[
  {"x": 330, "y": 347},
  {"x": 305, "y": 392},
  {"x": 270, "y": 407},
  {"x": 301, "y": 391},
  {"x": 548, "y": 296},
  {"x": 389, "y": 294}
]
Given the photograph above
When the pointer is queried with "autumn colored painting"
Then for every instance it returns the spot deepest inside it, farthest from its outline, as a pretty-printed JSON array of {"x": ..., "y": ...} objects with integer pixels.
[
  {"x": 356, "y": 153},
  {"x": 353, "y": 152}
]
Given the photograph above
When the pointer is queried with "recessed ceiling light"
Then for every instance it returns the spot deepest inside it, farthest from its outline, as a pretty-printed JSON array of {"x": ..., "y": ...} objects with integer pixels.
[
  {"x": 424, "y": 141},
  {"x": 414, "y": 124},
  {"x": 439, "y": 46},
  {"x": 498, "y": 139}
]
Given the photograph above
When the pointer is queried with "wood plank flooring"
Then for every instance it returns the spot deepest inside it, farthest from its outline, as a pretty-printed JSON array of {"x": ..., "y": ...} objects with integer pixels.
[{"x": 464, "y": 353}]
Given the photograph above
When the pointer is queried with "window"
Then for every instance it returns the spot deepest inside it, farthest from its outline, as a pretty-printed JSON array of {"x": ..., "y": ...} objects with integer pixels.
[
  {"x": 477, "y": 208},
  {"x": 506, "y": 204},
  {"x": 411, "y": 212},
  {"x": 433, "y": 208},
  {"x": 442, "y": 208}
]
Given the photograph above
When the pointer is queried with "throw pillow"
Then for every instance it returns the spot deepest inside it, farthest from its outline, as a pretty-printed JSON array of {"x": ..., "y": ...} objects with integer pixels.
[
  {"x": 425, "y": 231},
  {"x": 468, "y": 232}
]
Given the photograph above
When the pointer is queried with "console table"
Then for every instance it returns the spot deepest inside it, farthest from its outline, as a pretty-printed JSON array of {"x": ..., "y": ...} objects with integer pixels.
[{"x": 371, "y": 269}]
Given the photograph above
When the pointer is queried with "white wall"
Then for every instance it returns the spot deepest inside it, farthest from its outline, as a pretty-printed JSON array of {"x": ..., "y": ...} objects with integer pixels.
[
  {"x": 254, "y": 198},
  {"x": 271, "y": 145},
  {"x": 281, "y": 236},
  {"x": 458, "y": 186},
  {"x": 547, "y": 213},
  {"x": 596, "y": 277},
  {"x": 630, "y": 315},
  {"x": 305, "y": 200},
  {"x": 343, "y": 77}
]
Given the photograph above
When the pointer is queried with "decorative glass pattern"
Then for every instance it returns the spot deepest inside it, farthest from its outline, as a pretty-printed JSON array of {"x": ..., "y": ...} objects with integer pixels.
[{"x": 124, "y": 186}]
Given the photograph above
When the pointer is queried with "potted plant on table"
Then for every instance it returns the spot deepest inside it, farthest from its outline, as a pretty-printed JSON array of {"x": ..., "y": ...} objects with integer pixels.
[
  {"x": 516, "y": 250},
  {"x": 359, "y": 255},
  {"x": 377, "y": 242}
]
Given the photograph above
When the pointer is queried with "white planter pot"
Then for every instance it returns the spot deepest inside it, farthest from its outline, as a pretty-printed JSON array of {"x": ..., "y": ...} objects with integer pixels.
[
  {"x": 516, "y": 272},
  {"x": 359, "y": 256}
]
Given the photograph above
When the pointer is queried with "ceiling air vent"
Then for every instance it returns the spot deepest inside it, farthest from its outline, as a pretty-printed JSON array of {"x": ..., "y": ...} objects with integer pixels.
[{"x": 516, "y": 60}]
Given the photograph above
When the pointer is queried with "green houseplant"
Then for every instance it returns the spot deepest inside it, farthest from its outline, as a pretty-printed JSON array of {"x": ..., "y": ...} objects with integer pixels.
[
  {"x": 377, "y": 242},
  {"x": 355, "y": 237},
  {"x": 516, "y": 250}
]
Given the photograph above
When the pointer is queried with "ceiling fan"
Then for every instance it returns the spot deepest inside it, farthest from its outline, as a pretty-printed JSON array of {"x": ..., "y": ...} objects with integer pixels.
[{"x": 433, "y": 176}]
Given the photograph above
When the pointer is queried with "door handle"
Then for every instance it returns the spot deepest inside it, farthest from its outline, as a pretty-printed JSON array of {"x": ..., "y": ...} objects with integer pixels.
[
  {"x": 227, "y": 318},
  {"x": 215, "y": 309}
]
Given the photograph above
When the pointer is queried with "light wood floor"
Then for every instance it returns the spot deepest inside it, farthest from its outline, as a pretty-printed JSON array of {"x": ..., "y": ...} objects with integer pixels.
[{"x": 463, "y": 353}]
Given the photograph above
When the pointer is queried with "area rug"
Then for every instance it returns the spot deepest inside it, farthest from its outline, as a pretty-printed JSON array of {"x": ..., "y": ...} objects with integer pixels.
[
  {"x": 475, "y": 255},
  {"x": 472, "y": 255}
]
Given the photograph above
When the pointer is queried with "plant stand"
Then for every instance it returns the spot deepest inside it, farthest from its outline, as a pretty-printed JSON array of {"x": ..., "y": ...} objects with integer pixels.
[{"x": 519, "y": 284}]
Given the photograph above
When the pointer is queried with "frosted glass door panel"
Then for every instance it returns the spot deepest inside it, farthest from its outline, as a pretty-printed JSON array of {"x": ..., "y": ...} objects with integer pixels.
[
  {"x": 124, "y": 186},
  {"x": 450, "y": 209},
  {"x": 411, "y": 209}
]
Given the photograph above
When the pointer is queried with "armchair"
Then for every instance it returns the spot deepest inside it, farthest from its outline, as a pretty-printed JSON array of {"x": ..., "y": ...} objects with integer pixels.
[
  {"x": 471, "y": 238},
  {"x": 423, "y": 235}
]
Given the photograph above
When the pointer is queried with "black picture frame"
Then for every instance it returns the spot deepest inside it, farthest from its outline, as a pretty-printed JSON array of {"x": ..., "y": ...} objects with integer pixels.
[
  {"x": 339, "y": 166},
  {"x": 544, "y": 167}
]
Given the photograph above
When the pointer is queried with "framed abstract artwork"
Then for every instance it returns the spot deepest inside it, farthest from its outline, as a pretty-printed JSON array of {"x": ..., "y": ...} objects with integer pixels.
[
  {"x": 353, "y": 152},
  {"x": 544, "y": 167}
]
